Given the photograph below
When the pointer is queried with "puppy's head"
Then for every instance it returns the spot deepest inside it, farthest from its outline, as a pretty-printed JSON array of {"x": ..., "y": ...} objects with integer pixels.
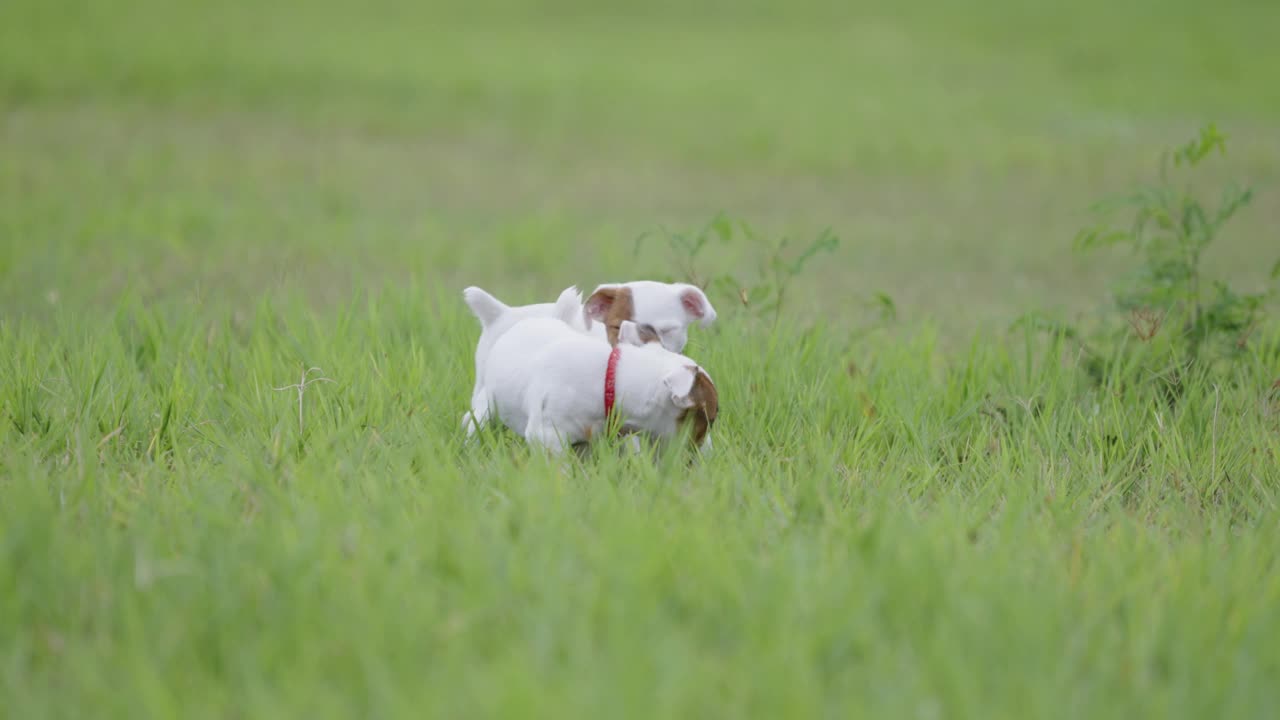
[
  {"x": 662, "y": 310},
  {"x": 693, "y": 392}
]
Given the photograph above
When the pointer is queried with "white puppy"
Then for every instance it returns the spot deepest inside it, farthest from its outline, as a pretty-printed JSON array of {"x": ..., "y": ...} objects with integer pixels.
[
  {"x": 556, "y": 386},
  {"x": 662, "y": 312}
]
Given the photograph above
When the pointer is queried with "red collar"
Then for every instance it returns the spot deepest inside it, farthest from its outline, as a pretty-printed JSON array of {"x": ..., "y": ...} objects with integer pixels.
[{"x": 610, "y": 377}]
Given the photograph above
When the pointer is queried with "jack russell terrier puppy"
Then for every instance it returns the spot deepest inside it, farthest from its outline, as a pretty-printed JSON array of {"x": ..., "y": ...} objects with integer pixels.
[
  {"x": 662, "y": 312},
  {"x": 557, "y": 386}
]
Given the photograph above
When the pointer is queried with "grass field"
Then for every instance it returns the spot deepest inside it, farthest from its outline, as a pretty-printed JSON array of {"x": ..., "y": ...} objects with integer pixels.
[{"x": 923, "y": 515}]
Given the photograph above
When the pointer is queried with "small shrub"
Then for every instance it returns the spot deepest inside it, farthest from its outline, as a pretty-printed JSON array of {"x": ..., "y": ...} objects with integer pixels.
[
  {"x": 778, "y": 265},
  {"x": 1167, "y": 319}
]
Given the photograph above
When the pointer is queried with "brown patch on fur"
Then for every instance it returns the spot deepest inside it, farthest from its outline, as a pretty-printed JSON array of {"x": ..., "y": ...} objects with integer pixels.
[
  {"x": 618, "y": 306},
  {"x": 706, "y": 405}
]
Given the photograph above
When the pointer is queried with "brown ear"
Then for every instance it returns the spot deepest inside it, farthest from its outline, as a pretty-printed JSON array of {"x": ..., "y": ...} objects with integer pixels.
[
  {"x": 598, "y": 305},
  {"x": 611, "y": 305},
  {"x": 704, "y": 391}
]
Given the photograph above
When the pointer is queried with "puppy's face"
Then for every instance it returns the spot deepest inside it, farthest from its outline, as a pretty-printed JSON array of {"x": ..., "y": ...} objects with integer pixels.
[
  {"x": 693, "y": 392},
  {"x": 689, "y": 387},
  {"x": 661, "y": 311}
]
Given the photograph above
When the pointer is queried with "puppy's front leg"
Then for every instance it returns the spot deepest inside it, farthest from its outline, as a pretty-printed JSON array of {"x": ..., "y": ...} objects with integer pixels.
[
  {"x": 478, "y": 416},
  {"x": 544, "y": 436}
]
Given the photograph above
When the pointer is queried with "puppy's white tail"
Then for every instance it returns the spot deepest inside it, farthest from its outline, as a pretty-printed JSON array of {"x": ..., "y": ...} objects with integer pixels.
[
  {"x": 568, "y": 307},
  {"x": 484, "y": 306}
]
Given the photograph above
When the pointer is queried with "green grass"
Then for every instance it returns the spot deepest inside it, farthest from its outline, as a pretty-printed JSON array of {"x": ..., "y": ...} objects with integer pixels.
[
  {"x": 977, "y": 536},
  {"x": 934, "y": 518}
]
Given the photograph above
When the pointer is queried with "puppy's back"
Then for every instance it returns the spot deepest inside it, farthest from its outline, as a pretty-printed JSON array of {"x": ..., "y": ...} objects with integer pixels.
[
  {"x": 525, "y": 341},
  {"x": 535, "y": 355}
]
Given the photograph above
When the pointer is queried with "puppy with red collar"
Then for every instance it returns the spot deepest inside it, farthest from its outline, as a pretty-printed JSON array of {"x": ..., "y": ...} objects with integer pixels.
[
  {"x": 662, "y": 312},
  {"x": 557, "y": 386}
]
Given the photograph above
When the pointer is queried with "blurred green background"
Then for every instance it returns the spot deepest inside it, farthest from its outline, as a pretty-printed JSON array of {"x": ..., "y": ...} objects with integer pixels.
[
  {"x": 193, "y": 152},
  {"x": 192, "y": 193}
]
